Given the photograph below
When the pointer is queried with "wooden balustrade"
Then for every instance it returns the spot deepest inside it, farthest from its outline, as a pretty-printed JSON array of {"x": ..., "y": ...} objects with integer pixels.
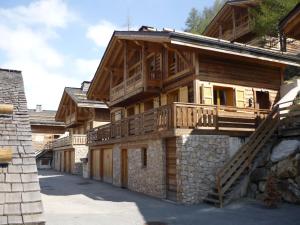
[
  {"x": 75, "y": 139},
  {"x": 179, "y": 116}
]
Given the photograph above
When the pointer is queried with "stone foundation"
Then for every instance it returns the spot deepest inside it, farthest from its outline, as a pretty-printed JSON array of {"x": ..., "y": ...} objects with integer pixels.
[
  {"x": 198, "y": 159},
  {"x": 81, "y": 151}
]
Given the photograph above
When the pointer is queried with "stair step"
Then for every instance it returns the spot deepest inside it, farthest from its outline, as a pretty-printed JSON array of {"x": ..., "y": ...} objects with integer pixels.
[{"x": 211, "y": 200}]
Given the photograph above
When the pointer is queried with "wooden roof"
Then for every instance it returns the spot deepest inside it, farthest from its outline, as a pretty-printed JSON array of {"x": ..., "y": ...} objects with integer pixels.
[
  {"x": 79, "y": 97},
  {"x": 290, "y": 25},
  {"x": 99, "y": 88},
  {"x": 44, "y": 118},
  {"x": 225, "y": 13}
]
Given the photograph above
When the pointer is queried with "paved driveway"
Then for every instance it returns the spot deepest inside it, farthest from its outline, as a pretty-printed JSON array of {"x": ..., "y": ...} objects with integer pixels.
[{"x": 71, "y": 200}]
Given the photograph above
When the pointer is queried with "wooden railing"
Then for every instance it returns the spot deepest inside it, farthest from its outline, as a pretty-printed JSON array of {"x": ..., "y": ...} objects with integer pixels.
[
  {"x": 178, "y": 116},
  {"x": 243, "y": 26},
  {"x": 243, "y": 159},
  {"x": 75, "y": 139}
]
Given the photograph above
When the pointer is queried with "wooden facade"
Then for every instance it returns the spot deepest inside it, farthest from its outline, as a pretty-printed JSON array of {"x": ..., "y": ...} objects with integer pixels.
[
  {"x": 194, "y": 90},
  {"x": 234, "y": 23},
  {"x": 79, "y": 115}
]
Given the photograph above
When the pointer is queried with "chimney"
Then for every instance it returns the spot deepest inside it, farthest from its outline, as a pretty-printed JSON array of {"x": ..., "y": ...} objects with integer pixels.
[
  {"x": 85, "y": 86},
  {"x": 38, "y": 108}
]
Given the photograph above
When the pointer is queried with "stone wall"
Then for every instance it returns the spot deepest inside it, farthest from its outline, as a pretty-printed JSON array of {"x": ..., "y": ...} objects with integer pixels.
[
  {"x": 198, "y": 159},
  {"x": 81, "y": 151},
  {"x": 117, "y": 165},
  {"x": 151, "y": 179}
]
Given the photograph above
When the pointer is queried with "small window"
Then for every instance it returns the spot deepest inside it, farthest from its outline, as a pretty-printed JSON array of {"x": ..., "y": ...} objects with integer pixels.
[
  {"x": 45, "y": 162},
  {"x": 144, "y": 157}
]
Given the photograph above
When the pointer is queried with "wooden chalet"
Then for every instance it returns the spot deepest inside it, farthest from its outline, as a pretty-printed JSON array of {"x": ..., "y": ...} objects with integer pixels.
[
  {"x": 234, "y": 23},
  {"x": 44, "y": 131},
  {"x": 290, "y": 26},
  {"x": 79, "y": 115},
  {"x": 174, "y": 97}
]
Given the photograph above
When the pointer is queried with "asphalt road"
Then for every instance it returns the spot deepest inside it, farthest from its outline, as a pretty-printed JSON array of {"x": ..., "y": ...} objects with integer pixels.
[{"x": 72, "y": 200}]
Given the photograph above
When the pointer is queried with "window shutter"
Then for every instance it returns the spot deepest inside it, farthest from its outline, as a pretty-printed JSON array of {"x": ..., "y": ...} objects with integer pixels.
[
  {"x": 183, "y": 94},
  {"x": 163, "y": 99},
  {"x": 240, "y": 98},
  {"x": 136, "y": 109},
  {"x": 156, "y": 102},
  {"x": 142, "y": 108},
  {"x": 207, "y": 91}
]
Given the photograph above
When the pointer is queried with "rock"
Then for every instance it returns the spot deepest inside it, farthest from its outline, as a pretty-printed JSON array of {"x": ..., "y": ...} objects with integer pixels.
[
  {"x": 260, "y": 197},
  {"x": 297, "y": 180},
  {"x": 259, "y": 174},
  {"x": 262, "y": 186},
  {"x": 284, "y": 149},
  {"x": 288, "y": 168},
  {"x": 290, "y": 191}
]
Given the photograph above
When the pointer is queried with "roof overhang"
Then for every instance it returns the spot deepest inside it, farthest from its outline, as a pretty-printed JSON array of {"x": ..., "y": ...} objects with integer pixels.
[{"x": 290, "y": 25}]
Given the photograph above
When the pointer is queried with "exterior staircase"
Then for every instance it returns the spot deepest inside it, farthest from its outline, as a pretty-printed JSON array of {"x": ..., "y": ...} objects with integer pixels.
[{"x": 240, "y": 165}]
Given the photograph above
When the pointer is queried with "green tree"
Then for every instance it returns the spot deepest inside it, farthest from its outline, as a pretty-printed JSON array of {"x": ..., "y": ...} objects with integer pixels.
[
  {"x": 268, "y": 14},
  {"x": 198, "y": 20}
]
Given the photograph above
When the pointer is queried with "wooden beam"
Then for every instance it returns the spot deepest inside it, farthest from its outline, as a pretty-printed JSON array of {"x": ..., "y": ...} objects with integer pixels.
[
  {"x": 6, "y": 108},
  {"x": 125, "y": 74}
]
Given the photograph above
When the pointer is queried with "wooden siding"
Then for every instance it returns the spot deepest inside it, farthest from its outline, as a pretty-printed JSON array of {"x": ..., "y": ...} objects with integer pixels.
[
  {"x": 107, "y": 165},
  {"x": 171, "y": 177},
  {"x": 239, "y": 73}
]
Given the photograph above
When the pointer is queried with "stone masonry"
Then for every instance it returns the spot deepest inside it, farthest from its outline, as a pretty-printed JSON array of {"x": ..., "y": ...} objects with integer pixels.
[
  {"x": 20, "y": 199},
  {"x": 198, "y": 159},
  {"x": 149, "y": 180}
]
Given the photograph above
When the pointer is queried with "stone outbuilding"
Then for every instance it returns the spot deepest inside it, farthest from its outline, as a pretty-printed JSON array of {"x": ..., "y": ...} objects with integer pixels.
[{"x": 20, "y": 198}]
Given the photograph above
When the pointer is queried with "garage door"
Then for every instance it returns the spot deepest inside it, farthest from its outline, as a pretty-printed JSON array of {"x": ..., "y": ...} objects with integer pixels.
[{"x": 107, "y": 165}]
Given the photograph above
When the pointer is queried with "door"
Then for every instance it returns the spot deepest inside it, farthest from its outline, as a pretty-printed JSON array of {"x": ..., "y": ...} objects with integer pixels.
[
  {"x": 65, "y": 161},
  {"x": 107, "y": 165},
  {"x": 171, "y": 177},
  {"x": 124, "y": 168},
  {"x": 262, "y": 100},
  {"x": 61, "y": 154},
  {"x": 96, "y": 165}
]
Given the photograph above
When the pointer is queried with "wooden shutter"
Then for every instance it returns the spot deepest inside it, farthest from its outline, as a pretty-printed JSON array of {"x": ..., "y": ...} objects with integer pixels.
[
  {"x": 207, "y": 91},
  {"x": 142, "y": 108},
  {"x": 136, "y": 109},
  {"x": 240, "y": 97},
  {"x": 156, "y": 102},
  {"x": 163, "y": 99},
  {"x": 183, "y": 94}
]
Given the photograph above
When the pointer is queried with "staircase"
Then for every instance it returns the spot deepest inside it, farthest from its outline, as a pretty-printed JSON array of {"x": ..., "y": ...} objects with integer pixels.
[{"x": 234, "y": 171}]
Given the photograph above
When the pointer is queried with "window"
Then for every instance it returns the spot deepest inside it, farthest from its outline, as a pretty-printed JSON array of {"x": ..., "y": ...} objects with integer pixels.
[
  {"x": 45, "y": 162},
  {"x": 223, "y": 96},
  {"x": 144, "y": 157}
]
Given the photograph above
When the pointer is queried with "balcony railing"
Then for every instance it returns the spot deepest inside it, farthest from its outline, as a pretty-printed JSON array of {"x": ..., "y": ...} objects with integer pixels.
[
  {"x": 70, "y": 141},
  {"x": 178, "y": 116},
  {"x": 243, "y": 26}
]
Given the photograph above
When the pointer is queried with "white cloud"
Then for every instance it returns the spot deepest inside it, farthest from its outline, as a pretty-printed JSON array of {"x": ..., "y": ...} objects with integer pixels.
[
  {"x": 87, "y": 67},
  {"x": 26, "y": 33},
  {"x": 101, "y": 32},
  {"x": 50, "y": 13}
]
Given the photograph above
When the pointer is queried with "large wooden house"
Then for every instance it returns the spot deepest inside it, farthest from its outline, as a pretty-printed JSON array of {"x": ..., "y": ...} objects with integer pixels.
[
  {"x": 180, "y": 105},
  {"x": 234, "y": 23},
  {"x": 79, "y": 115}
]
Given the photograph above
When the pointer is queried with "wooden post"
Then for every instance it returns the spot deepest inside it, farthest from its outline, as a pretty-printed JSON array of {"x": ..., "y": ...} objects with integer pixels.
[
  {"x": 5, "y": 155},
  {"x": 6, "y": 109},
  {"x": 144, "y": 70},
  {"x": 125, "y": 65}
]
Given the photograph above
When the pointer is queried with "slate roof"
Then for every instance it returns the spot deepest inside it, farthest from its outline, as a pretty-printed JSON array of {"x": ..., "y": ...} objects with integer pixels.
[
  {"x": 44, "y": 118},
  {"x": 80, "y": 98},
  {"x": 20, "y": 199}
]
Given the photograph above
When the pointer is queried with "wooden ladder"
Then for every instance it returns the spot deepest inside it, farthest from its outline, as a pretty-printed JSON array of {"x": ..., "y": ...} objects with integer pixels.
[{"x": 234, "y": 169}]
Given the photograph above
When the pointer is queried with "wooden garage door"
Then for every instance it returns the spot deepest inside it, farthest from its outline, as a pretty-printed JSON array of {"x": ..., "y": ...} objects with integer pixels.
[
  {"x": 171, "y": 169},
  {"x": 107, "y": 165},
  {"x": 61, "y": 159},
  {"x": 96, "y": 164}
]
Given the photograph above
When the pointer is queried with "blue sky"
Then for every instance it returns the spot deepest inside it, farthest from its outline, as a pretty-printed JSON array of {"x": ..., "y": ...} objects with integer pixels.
[{"x": 58, "y": 43}]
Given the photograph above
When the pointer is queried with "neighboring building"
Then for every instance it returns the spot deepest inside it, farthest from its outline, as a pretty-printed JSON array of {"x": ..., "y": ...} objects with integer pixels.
[
  {"x": 20, "y": 199},
  {"x": 44, "y": 127},
  {"x": 44, "y": 131},
  {"x": 290, "y": 27},
  {"x": 181, "y": 105},
  {"x": 233, "y": 23},
  {"x": 79, "y": 115}
]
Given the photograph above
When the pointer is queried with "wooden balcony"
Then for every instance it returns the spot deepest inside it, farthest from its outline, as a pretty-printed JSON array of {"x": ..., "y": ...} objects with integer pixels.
[
  {"x": 177, "y": 119},
  {"x": 243, "y": 27},
  {"x": 69, "y": 141}
]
